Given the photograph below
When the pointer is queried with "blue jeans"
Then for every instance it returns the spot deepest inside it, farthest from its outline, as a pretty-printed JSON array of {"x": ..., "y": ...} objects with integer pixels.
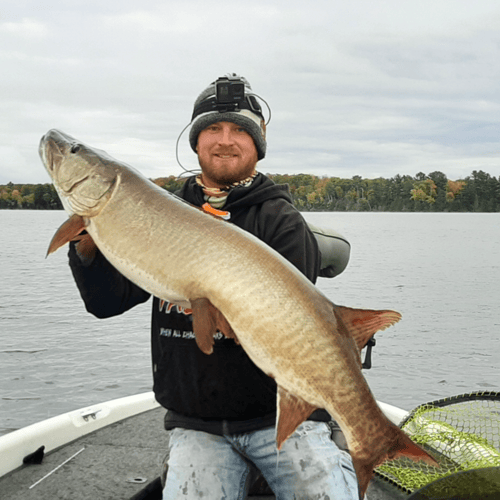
[{"x": 308, "y": 466}]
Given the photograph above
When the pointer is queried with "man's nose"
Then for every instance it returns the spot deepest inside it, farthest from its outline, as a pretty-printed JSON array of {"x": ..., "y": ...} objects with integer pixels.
[{"x": 226, "y": 136}]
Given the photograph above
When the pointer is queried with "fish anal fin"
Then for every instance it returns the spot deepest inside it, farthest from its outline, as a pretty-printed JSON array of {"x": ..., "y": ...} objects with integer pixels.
[
  {"x": 362, "y": 324},
  {"x": 292, "y": 411},
  {"x": 207, "y": 320},
  {"x": 67, "y": 231}
]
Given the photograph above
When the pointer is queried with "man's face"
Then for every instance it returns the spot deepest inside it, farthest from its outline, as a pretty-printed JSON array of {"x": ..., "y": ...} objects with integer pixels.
[{"x": 226, "y": 153}]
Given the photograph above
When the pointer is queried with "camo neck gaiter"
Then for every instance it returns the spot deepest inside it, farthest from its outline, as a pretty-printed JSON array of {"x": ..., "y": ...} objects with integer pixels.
[{"x": 217, "y": 197}]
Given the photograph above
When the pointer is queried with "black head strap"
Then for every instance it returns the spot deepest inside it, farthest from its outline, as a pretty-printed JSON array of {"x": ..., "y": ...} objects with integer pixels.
[{"x": 208, "y": 105}]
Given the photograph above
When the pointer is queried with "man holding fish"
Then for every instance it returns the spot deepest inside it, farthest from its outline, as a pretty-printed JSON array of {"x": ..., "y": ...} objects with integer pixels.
[
  {"x": 222, "y": 407},
  {"x": 237, "y": 323}
]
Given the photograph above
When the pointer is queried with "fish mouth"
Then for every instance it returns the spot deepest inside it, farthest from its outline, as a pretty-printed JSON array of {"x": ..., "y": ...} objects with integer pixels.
[
  {"x": 51, "y": 154},
  {"x": 80, "y": 186},
  {"x": 52, "y": 149},
  {"x": 54, "y": 157}
]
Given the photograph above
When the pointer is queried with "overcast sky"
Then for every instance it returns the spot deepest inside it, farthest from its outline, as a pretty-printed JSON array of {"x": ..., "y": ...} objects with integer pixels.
[{"x": 356, "y": 87}]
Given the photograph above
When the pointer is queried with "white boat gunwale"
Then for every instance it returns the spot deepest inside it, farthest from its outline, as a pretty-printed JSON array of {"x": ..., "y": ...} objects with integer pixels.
[{"x": 63, "y": 429}]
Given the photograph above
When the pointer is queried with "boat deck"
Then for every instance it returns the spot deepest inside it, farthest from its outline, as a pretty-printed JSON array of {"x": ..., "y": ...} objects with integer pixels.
[{"x": 117, "y": 462}]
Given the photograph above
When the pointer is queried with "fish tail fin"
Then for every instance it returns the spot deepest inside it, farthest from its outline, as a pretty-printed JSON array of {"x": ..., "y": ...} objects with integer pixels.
[
  {"x": 401, "y": 446},
  {"x": 404, "y": 447}
]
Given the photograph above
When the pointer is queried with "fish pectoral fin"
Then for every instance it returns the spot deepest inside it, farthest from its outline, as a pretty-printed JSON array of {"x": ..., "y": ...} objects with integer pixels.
[
  {"x": 66, "y": 232},
  {"x": 362, "y": 324},
  {"x": 292, "y": 411},
  {"x": 207, "y": 320}
]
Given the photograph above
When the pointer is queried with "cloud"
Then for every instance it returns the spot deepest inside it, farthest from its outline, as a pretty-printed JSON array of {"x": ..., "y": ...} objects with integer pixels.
[
  {"x": 180, "y": 18},
  {"x": 361, "y": 87},
  {"x": 26, "y": 28}
]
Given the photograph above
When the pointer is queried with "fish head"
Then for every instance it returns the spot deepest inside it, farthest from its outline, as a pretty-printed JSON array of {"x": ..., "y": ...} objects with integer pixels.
[{"x": 84, "y": 177}]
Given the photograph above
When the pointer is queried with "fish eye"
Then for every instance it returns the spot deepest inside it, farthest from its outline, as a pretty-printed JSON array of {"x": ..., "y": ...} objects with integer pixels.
[{"x": 75, "y": 148}]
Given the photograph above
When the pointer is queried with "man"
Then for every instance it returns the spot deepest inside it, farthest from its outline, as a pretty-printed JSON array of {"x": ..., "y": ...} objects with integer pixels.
[{"x": 222, "y": 408}]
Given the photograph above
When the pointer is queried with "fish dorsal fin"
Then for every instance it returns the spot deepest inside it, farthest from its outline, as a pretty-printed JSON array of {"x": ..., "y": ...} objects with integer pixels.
[
  {"x": 292, "y": 411},
  {"x": 67, "y": 231},
  {"x": 362, "y": 324},
  {"x": 207, "y": 320}
]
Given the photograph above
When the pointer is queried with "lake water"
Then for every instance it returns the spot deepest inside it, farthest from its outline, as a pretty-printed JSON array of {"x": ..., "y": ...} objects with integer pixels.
[{"x": 441, "y": 271}]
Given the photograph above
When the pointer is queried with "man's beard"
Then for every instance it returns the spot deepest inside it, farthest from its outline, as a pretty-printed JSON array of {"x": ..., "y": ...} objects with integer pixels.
[{"x": 227, "y": 177}]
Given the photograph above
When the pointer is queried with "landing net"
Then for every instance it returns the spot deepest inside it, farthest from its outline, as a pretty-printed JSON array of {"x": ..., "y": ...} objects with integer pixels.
[{"x": 462, "y": 433}]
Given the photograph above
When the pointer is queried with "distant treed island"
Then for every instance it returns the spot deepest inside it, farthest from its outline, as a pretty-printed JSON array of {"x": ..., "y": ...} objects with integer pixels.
[{"x": 479, "y": 192}]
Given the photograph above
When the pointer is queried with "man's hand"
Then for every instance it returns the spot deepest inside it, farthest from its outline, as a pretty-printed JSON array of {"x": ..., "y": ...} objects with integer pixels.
[{"x": 85, "y": 248}]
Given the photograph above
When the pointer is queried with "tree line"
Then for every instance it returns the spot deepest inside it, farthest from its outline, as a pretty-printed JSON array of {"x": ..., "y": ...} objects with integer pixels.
[
  {"x": 478, "y": 192},
  {"x": 29, "y": 196}
]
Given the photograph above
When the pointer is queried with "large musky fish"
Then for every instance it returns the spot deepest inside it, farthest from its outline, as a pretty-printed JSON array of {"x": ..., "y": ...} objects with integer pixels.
[{"x": 235, "y": 283}]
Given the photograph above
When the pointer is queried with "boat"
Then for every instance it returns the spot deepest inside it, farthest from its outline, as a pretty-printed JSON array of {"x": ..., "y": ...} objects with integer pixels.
[
  {"x": 111, "y": 450},
  {"x": 115, "y": 450}
]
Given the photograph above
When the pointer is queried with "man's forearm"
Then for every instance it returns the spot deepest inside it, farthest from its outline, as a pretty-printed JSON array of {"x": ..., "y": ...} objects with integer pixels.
[{"x": 104, "y": 290}]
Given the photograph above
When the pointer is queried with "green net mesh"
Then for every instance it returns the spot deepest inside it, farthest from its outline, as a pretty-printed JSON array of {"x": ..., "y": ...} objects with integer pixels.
[{"x": 462, "y": 433}]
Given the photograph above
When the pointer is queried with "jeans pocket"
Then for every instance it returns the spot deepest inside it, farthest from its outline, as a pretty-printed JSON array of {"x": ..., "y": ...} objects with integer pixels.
[{"x": 345, "y": 462}]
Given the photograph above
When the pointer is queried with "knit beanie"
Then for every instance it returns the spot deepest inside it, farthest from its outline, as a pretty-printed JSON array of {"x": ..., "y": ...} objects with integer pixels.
[{"x": 206, "y": 114}]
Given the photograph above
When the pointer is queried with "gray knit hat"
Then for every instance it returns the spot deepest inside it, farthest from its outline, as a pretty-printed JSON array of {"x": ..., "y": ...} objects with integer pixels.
[{"x": 251, "y": 119}]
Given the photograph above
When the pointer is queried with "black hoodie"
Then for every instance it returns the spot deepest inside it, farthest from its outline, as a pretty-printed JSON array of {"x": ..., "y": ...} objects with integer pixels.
[{"x": 224, "y": 389}]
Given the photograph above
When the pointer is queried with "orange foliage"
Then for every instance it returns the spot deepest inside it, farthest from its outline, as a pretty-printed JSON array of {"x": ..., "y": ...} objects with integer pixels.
[{"x": 455, "y": 186}]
